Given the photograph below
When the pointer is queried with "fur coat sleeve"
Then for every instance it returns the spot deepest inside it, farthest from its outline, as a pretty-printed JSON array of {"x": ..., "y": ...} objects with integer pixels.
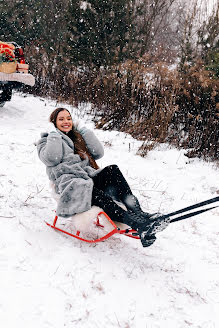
[
  {"x": 71, "y": 175},
  {"x": 93, "y": 144},
  {"x": 50, "y": 148}
]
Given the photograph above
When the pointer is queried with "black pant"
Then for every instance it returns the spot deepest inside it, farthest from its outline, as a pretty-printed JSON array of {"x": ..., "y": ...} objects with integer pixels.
[{"x": 110, "y": 185}]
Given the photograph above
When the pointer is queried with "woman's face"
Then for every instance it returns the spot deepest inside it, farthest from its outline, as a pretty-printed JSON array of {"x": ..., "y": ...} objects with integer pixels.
[{"x": 64, "y": 121}]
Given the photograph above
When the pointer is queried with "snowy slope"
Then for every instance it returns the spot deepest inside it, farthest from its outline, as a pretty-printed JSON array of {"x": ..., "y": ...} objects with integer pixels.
[{"x": 51, "y": 280}]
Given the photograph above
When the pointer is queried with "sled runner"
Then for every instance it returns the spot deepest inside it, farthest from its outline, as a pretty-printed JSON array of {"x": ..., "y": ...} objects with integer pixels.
[
  {"x": 133, "y": 233},
  {"x": 127, "y": 232}
]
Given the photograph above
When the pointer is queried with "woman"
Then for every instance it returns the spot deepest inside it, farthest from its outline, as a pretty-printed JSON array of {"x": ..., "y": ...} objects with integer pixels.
[{"x": 70, "y": 157}]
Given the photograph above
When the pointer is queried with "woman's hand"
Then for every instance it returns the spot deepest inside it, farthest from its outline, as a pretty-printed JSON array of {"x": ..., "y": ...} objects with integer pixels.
[{"x": 50, "y": 148}]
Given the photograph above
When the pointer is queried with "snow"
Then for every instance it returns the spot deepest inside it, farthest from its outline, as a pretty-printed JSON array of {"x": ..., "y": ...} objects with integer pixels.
[{"x": 51, "y": 280}]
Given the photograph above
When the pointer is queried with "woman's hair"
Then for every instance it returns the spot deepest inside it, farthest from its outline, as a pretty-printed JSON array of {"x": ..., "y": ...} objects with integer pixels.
[
  {"x": 80, "y": 146},
  {"x": 55, "y": 113}
]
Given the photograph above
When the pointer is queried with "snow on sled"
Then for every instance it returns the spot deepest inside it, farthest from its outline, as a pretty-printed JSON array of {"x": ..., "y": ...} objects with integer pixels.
[{"x": 104, "y": 221}]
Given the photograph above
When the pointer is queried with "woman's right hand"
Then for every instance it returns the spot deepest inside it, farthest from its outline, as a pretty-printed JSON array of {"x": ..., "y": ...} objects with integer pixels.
[{"x": 49, "y": 148}]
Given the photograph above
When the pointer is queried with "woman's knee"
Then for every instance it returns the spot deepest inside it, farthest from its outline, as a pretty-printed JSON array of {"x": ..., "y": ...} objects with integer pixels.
[
  {"x": 109, "y": 169},
  {"x": 113, "y": 167}
]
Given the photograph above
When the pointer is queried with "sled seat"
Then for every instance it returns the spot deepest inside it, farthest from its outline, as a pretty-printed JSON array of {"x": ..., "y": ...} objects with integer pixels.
[
  {"x": 115, "y": 229},
  {"x": 95, "y": 217}
]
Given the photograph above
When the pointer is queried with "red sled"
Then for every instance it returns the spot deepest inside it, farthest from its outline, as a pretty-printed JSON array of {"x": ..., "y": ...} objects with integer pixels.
[{"x": 116, "y": 230}]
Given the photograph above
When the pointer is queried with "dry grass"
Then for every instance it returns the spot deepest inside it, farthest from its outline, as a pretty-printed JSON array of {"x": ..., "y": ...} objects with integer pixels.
[{"x": 149, "y": 100}]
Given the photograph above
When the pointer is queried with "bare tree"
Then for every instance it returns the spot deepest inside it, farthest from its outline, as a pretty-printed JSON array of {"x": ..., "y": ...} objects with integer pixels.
[{"x": 153, "y": 21}]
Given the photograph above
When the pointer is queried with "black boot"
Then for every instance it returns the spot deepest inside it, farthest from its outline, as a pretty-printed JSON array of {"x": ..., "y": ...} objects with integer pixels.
[
  {"x": 147, "y": 240},
  {"x": 146, "y": 224},
  {"x": 132, "y": 204},
  {"x": 146, "y": 228},
  {"x": 135, "y": 221}
]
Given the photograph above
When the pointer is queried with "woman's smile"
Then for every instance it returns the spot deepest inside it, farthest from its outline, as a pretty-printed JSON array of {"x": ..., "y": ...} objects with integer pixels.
[{"x": 66, "y": 126}]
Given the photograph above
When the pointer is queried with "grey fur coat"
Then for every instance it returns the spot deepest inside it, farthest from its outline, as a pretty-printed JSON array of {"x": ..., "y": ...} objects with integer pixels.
[{"x": 71, "y": 176}]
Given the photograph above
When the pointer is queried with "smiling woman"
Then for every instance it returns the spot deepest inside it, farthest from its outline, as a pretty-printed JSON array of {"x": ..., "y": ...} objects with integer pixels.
[
  {"x": 62, "y": 120},
  {"x": 70, "y": 156}
]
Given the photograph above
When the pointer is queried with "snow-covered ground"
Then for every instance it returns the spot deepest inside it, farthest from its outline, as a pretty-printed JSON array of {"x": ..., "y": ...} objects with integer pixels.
[{"x": 51, "y": 280}]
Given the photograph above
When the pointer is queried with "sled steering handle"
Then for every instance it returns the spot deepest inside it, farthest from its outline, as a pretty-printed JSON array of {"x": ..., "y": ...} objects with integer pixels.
[
  {"x": 192, "y": 207},
  {"x": 189, "y": 215}
]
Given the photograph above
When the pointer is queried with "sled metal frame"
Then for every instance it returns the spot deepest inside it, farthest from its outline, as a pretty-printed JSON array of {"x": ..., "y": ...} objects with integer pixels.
[{"x": 127, "y": 232}]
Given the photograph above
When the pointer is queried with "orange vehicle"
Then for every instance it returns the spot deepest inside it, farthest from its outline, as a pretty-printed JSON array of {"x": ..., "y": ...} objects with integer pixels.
[{"x": 13, "y": 70}]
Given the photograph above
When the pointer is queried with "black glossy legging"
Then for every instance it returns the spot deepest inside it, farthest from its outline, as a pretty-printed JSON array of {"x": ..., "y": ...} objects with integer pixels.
[{"x": 110, "y": 185}]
